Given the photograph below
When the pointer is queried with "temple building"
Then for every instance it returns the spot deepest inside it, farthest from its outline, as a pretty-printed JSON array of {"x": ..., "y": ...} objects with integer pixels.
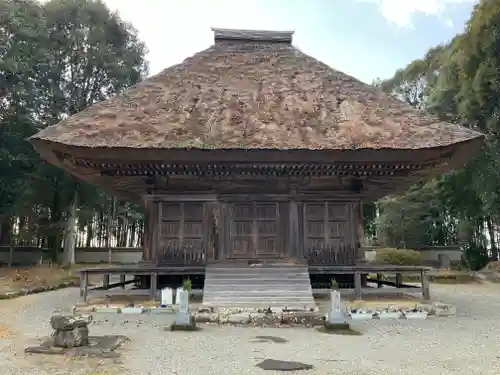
[{"x": 252, "y": 151}]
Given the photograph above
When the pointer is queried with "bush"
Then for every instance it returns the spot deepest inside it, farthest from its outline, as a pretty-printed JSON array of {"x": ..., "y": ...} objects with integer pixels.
[
  {"x": 401, "y": 257},
  {"x": 475, "y": 257}
]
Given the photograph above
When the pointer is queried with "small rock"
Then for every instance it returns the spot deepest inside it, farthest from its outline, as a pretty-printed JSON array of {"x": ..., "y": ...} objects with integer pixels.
[
  {"x": 303, "y": 317},
  {"x": 239, "y": 318},
  {"x": 442, "y": 309},
  {"x": 206, "y": 310},
  {"x": 68, "y": 322},
  {"x": 207, "y": 318}
]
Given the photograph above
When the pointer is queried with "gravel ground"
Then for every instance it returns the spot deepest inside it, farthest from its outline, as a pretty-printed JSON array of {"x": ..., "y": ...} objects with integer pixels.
[{"x": 465, "y": 344}]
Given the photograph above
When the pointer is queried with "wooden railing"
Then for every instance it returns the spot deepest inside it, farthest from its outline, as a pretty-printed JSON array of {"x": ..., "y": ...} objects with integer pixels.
[
  {"x": 343, "y": 255},
  {"x": 174, "y": 255}
]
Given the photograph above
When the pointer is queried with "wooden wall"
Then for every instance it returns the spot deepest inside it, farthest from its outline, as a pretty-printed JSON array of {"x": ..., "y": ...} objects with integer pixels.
[{"x": 217, "y": 230}]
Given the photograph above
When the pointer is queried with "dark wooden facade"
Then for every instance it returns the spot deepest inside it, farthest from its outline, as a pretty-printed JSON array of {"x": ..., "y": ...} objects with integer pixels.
[
  {"x": 205, "y": 212},
  {"x": 190, "y": 230}
]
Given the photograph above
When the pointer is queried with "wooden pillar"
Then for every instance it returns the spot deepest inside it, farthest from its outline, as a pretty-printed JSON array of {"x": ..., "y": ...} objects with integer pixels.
[
  {"x": 379, "y": 280},
  {"x": 357, "y": 286},
  {"x": 122, "y": 281},
  {"x": 360, "y": 256},
  {"x": 293, "y": 231},
  {"x": 105, "y": 281},
  {"x": 224, "y": 226},
  {"x": 84, "y": 285},
  {"x": 426, "y": 293},
  {"x": 153, "y": 286},
  {"x": 399, "y": 280},
  {"x": 151, "y": 221},
  {"x": 146, "y": 251}
]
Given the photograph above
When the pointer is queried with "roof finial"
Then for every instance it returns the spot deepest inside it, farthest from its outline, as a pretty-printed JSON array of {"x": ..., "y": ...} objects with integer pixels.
[{"x": 263, "y": 36}]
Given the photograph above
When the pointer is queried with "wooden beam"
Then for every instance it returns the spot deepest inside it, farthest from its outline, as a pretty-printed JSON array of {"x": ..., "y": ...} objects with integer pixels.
[{"x": 200, "y": 197}]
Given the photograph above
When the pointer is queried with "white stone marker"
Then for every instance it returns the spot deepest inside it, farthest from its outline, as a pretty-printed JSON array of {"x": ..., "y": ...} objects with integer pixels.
[
  {"x": 167, "y": 297},
  {"x": 178, "y": 295},
  {"x": 183, "y": 301},
  {"x": 336, "y": 315},
  {"x": 183, "y": 317}
]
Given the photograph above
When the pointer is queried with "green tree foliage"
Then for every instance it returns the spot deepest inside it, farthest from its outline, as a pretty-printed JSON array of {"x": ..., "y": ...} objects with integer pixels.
[
  {"x": 22, "y": 55},
  {"x": 56, "y": 59},
  {"x": 457, "y": 82}
]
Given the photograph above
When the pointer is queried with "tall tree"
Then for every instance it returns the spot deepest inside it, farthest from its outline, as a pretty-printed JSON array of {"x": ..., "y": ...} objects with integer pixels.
[
  {"x": 94, "y": 55},
  {"x": 22, "y": 65}
]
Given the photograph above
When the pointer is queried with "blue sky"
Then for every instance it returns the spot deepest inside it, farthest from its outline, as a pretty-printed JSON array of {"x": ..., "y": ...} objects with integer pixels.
[{"x": 364, "y": 38}]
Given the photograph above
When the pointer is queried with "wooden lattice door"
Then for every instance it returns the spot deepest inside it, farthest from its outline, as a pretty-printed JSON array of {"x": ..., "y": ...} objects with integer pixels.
[
  {"x": 329, "y": 228},
  {"x": 254, "y": 230},
  {"x": 182, "y": 232}
]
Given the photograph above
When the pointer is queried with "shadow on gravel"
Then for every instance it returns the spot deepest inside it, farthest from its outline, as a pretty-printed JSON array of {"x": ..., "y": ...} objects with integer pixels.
[
  {"x": 271, "y": 339},
  {"x": 277, "y": 365},
  {"x": 99, "y": 346}
]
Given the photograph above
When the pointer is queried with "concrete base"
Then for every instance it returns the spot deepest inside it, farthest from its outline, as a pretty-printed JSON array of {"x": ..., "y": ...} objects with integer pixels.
[{"x": 183, "y": 322}]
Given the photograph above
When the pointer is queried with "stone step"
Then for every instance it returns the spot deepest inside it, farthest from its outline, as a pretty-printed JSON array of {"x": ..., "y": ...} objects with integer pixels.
[
  {"x": 260, "y": 289},
  {"x": 262, "y": 274},
  {"x": 262, "y": 303},
  {"x": 229, "y": 271},
  {"x": 258, "y": 293},
  {"x": 256, "y": 281},
  {"x": 265, "y": 286}
]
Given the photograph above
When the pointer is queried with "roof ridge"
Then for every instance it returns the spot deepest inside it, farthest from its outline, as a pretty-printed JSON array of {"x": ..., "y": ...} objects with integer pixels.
[{"x": 253, "y": 35}]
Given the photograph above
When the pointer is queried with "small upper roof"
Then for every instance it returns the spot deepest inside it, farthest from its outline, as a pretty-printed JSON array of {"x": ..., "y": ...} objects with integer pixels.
[{"x": 253, "y": 90}]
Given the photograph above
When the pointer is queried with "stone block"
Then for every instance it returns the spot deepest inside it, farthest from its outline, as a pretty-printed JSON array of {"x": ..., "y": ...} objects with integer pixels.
[
  {"x": 239, "y": 318},
  {"x": 107, "y": 310},
  {"x": 439, "y": 309},
  {"x": 162, "y": 310},
  {"x": 207, "y": 318},
  {"x": 74, "y": 338},
  {"x": 415, "y": 315},
  {"x": 132, "y": 310},
  {"x": 183, "y": 322},
  {"x": 303, "y": 317},
  {"x": 62, "y": 322}
]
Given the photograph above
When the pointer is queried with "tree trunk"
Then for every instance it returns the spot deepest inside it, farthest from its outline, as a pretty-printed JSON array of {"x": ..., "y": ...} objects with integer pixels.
[
  {"x": 491, "y": 233},
  {"x": 70, "y": 233},
  {"x": 6, "y": 231},
  {"x": 90, "y": 233}
]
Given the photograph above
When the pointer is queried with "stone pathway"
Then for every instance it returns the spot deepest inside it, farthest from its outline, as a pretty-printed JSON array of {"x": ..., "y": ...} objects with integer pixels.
[{"x": 465, "y": 344}]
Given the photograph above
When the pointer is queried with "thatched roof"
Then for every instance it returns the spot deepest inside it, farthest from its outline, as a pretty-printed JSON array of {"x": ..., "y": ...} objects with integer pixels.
[{"x": 253, "y": 90}]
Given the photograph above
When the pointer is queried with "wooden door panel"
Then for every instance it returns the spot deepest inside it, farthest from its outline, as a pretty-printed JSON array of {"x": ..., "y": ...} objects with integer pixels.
[
  {"x": 338, "y": 211},
  {"x": 315, "y": 229},
  {"x": 182, "y": 233},
  {"x": 315, "y": 211},
  {"x": 242, "y": 234},
  {"x": 315, "y": 243},
  {"x": 243, "y": 211},
  {"x": 265, "y": 211},
  {"x": 242, "y": 247},
  {"x": 328, "y": 226},
  {"x": 338, "y": 229},
  {"x": 266, "y": 230},
  {"x": 254, "y": 230},
  {"x": 267, "y": 246}
]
